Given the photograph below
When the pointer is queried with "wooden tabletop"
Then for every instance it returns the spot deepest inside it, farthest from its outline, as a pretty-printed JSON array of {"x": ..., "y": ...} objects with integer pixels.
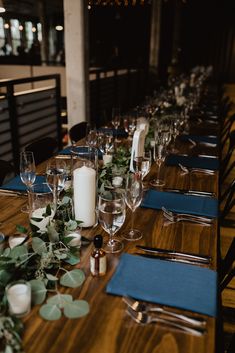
[{"x": 107, "y": 328}]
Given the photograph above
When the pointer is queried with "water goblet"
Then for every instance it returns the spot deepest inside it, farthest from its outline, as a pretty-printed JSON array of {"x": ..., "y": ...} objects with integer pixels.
[
  {"x": 56, "y": 173},
  {"x": 143, "y": 164},
  {"x": 91, "y": 135},
  {"x": 27, "y": 173},
  {"x": 111, "y": 215},
  {"x": 133, "y": 198}
]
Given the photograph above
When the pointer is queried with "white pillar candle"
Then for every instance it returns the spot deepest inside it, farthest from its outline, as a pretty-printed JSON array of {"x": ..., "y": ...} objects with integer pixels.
[
  {"x": 84, "y": 189},
  {"x": 107, "y": 158},
  {"x": 117, "y": 181},
  {"x": 19, "y": 298}
]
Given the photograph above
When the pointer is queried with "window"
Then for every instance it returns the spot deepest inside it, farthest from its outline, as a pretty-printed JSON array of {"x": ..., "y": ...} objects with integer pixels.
[{"x": 15, "y": 35}]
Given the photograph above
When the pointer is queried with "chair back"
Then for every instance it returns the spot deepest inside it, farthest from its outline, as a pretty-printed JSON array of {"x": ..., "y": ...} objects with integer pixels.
[
  {"x": 78, "y": 131},
  {"x": 43, "y": 149},
  {"x": 6, "y": 170}
]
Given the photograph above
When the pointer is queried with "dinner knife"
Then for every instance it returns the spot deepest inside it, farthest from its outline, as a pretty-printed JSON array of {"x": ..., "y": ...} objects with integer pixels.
[
  {"x": 191, "y": 192},
  {"x": 12, "y": 192},
  {"x": 202, "y": 258},
  {"x": 174, "y": 259}
]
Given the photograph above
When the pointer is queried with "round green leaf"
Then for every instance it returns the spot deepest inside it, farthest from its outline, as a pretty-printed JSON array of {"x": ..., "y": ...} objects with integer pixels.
[
  {"x": 75, "y": 309},
  {"x": 72, "y": 259},
  {"x": 50, "y": 312},
  {"x": 72, "y": 278},
  {"x": 38, "y": 245},
  {"x": 19, "y": 252},
  {"x": 60, "y": 299},
  {"x": 39, "y": 291}
]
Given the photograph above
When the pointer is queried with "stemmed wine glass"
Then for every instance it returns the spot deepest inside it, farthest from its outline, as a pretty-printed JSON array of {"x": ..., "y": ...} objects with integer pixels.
[
  {"x": 160, "y": 152},
  {"x": 133, "y": 198},
  {"x": 116, "y": 121},
  {"x": 111, "y": 214},
  {"x": 56, "y": 174},
  {"x": 91, "y": 135},
  {"x": 27, "y": 173},
  {"x": 142, "y": 164}
]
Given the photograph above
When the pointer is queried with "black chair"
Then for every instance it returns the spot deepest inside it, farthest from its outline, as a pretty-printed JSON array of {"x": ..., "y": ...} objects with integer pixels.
[
  {"x": 227, "y": 202},
  {"x": 43, "y": 149},
  {"x": 6, "y": 170},
  {"x": 225, "y": 169},
  {"x": 78, "y": 131},
  {"x": 231, "y": 348}
]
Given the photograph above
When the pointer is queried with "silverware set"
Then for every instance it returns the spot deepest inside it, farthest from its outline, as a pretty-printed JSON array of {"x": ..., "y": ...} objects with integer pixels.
[
  {"x": 178, "y": 217},
  {"x": 145, "y": 314},
  {"x": 174, "y": 255},
  {"x": 12, "y": 192},
  {"x": 191, "y": 192},
  {"x": 196, "y": 170}
]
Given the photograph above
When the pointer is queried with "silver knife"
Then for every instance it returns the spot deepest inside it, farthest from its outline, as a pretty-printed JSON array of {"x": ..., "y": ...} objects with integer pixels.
[
  {"x": 191, "y": 192},
  {"x": 201, "y": 258},
  {"x": 173, "y": 259},
  {"x": 12, "y": 192}
]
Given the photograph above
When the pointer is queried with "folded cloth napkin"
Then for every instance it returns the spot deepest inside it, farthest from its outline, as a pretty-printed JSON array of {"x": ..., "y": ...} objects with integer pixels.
[
  {"x": 193, "y": 161},
  {"x": 17, "y": 185},
  {"x": 67, "y": 150},
  {"x": 200, "y": 138},
  {"x": 115, "y": 132},
  {"x": 197, "y": 205},
  {"x": 169, "y": 283}
]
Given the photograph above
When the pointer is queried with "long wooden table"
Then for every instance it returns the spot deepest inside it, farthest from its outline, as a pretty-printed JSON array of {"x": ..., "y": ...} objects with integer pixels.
[{"x": 107, "y": 328}]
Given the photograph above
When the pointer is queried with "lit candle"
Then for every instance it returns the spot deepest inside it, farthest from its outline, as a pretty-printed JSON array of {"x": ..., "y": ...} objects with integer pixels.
[
  {"x": 84, "y": 189},
  {"x": 117, "y": 181},
  {"x": 19, "y": 298}
]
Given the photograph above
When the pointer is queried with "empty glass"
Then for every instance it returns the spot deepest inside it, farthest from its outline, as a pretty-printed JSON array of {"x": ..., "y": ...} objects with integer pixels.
[
  {"x": 116, "y": 120},
  {"x": 160, "y": 152},
  {"x": 27, "y": 172},
  {"x": 133, "y": 198},
  {"x": 111, "y": 214},
  {"x": 56, "y": 173}
]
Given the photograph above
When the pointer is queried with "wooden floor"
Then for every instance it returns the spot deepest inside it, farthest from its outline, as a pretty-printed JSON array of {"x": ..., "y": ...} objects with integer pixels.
[{"x": 227, "y": 234}]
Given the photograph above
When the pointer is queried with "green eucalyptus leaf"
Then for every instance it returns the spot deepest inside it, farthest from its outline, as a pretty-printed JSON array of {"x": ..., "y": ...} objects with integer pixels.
[
  {"x": 71, "y": 225},
  {"x": 72, "y": 259},
  {"x": 60, "y": 299},
  {"x": 60, "y": 255},
  {"x": 65, "y": 200},
  {"x": 36, "y": 219},
  {"x": 51, "y": 277},
  {"x": 34, "y": 228},
  {"x": 21, "y": 229},
  {"x": 39, "y": 291},
  {"x": 39, "y": 246},
  {"x": 4, "y": 276},
  {"x": 75, "y": 309},
  {"x": 50, "y": 312},
  {"x": 19, "y": 252},
  {"x": 52, "y": 233},
  {"x": 7, "y": 252},
  {"x": 72, "y": 278}
]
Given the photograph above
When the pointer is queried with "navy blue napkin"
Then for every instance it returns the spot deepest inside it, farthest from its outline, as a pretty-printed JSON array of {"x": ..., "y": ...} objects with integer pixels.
[
  {"x": 116, "y": 133},
  {"x": 67, "y": 150},
  {"x": 197, "y": 205},
  {"x": 200, "y": 138},
  {"x": 17, "y": 185},
  {"x": 193, "y": 161},
  {"x": 169, "y": 283}
]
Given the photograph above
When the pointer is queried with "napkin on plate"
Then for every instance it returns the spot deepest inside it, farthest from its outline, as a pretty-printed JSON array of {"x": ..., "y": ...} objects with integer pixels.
[
  {"x": 16, "y": 184},
  {"x": 169, "y": 283},
  {"x": 193, "y": 161},
  {"x": 115, "y": 132},
  {"x": 197, "y": 205},
  {"x": 67, "y": 150},
  {"x": 200, "y": 138}
]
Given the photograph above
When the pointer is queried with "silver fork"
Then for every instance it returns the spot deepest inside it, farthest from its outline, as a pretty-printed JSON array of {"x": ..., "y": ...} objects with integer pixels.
[
  {"x": 144, "y": 319},
  {"x": 177, "y": 217},
  {"x": 195, "y": 170},
  {"x": 141, "y": 307}
]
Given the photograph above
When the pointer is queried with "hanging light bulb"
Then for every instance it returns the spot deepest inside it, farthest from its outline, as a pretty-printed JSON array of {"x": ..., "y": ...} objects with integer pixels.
[{"x": 2, "y": 8}]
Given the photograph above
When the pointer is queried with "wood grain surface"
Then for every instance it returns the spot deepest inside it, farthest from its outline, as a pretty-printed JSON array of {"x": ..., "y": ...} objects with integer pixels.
[{"x": 107, "y": 328}]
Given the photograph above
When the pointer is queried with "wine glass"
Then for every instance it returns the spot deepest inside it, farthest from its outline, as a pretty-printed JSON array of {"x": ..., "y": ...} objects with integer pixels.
[
  {"x": 111, "y": 214},
  {"x": 56, "y": 174},
  {"x": 133, "y": 198},
  {"x": 91, "y": 135},
  {"x": 160, "y": 152},
  {"x": 106, "y": 146},
  {"x": 27, "y": 173},
  {"x": 116, "y": 120},
  {"x": 143, "y": 164},
  {"x": 129, "y": 123}
]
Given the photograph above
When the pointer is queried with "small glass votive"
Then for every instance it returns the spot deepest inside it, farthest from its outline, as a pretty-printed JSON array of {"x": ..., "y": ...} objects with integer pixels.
[{"x": 18, "y": 295}]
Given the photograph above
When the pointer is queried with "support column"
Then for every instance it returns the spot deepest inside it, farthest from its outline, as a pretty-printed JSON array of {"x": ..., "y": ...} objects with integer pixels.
[
  {"x": 155, "y": 35},
  {"x": 76, "y": 60}
]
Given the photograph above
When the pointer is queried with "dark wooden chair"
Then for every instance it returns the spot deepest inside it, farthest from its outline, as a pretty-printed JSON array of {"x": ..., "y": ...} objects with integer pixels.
[
  {"x": 6, "y": 170},
  {"x": 77, "y": 132},
  {"x": 43, "y": 149}
]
